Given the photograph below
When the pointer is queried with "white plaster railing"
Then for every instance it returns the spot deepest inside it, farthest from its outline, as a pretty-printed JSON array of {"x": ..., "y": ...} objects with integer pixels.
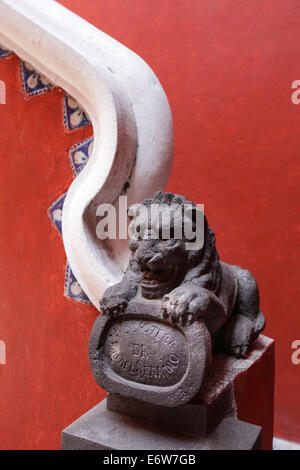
[{"x": 131, "y": 118}]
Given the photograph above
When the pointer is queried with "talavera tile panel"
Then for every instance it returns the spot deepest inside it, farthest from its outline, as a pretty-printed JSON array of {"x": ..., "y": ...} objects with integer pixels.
[
  {"x": 4, "y": 52},
  {"x": 33, "y": 82},
  {"x": 79, "y": 155},
  {"x": 55, "y": 212},
  {"x": 74, "y": 115},
  {"x": 72, "y": 289}
]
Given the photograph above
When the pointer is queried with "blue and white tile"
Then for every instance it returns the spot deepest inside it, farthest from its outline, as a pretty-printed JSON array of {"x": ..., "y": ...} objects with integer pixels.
[
  {"x": 55, "y": 212},
  {"x": 73, "y": 289},
  {"x": 74, "y": 116},
  {"x": 4, "y": 52},
  {"x": 79, "y": 155},
  {"x": 34, "y": 83}
]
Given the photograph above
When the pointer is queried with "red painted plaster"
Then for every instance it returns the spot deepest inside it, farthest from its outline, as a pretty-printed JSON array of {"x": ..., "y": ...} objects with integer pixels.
[
  {"x": 227, "y": 68},
  {"x": 46, "y": 382}
]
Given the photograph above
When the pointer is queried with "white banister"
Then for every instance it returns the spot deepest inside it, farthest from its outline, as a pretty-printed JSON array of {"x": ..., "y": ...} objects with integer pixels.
[{"x": 131, "y": 118}]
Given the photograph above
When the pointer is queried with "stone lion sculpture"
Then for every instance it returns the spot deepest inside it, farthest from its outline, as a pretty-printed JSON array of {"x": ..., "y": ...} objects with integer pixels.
[{"x": 192, "y": 283}]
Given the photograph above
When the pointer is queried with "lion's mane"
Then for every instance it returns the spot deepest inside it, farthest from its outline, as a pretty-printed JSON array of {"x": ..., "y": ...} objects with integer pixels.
[{"x": 203, "y": 266}]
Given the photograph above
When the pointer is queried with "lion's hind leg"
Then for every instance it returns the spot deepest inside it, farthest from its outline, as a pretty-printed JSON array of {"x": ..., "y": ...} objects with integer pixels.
[{"x": 246, "y": 321}]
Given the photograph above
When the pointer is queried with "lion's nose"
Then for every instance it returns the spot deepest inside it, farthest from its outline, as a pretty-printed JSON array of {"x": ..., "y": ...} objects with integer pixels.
[
  {"x": 142, "y": 258},
  {"x": 154, "y": 261},
  {"x": 148, "y": 260}
]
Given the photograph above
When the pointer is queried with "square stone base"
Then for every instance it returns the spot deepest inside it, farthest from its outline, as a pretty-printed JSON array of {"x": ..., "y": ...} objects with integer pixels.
[{"x": 101, "y": 429}]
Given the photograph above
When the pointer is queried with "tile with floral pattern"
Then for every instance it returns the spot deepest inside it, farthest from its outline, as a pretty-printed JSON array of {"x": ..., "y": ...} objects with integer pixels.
[
  {"x": 74, "y": 116},
  {"x": 55, "y": 212},
  {"x": 34, "y": 83},
  {"x": 73, "y": 289},
  {"x": 4, "y": 52},
  {"x": 79, "y": 155}
]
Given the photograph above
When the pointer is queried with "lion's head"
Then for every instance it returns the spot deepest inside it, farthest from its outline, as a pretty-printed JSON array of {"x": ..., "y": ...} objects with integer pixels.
[{"x": 159, "y": 241}]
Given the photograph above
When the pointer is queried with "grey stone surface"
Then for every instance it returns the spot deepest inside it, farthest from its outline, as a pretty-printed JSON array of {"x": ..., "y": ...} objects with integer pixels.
[
  {"x": 141, "y": 355},
  {"x": 192, "y": 283},
  {"x": 209, "y": 407},
  {"x": 153, "y": 341},
  {"x": 172, "y": 337},
  {"x": 101, "y": 429},
  {"x": 193, "y": 418}
]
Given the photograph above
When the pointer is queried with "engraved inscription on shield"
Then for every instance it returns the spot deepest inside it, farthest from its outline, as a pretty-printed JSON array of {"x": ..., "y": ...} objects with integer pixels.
[{"x": 147, "y": 352}]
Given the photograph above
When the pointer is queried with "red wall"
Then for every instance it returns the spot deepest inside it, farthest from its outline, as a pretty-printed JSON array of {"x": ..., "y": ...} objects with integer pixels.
[{"x": 227, "y": 67}]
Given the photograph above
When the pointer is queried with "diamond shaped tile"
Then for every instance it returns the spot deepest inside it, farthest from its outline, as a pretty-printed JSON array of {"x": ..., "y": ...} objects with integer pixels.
[
  {"x": 55, "y": 212},
  {"x": 4, "y": 52},
  {"x": 73, "y": 289},
  {"x": 34, "y": 83},
  {"x": 74, "y": 116},
  {"x": 79, "y": 155}
]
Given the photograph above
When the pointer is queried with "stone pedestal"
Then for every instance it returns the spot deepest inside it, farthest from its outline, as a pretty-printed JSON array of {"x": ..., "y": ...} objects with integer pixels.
[
  {"x": 234, "y": 411},
  {"x": 102, "y": 429}
]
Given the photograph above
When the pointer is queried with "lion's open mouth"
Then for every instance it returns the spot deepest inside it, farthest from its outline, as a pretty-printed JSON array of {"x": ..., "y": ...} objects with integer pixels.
[{"x": 159, "y": 279}]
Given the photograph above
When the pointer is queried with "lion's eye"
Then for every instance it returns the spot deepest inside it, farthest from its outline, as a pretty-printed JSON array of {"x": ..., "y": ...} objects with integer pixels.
[{"x": 171, "y": 243}]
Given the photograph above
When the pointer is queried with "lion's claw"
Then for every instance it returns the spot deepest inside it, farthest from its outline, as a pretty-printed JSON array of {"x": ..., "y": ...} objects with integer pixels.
[
  {"x": 113, "y": 307},
  {"x": 184, "y": 305}
]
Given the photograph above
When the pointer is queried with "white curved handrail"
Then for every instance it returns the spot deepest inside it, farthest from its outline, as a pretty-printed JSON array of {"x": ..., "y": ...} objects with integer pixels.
[{"x": 133, "y": 133}]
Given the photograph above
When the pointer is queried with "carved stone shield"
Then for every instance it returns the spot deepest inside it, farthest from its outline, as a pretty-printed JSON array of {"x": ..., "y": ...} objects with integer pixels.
[{"x": 141, "y": 355}]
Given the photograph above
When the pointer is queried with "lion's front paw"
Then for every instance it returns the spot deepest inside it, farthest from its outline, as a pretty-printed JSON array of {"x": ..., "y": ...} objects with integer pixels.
[
  {"x": 184, "y": 304},
  {"x": 238, "y": 335},
  {"x": 113, "y": 305}
]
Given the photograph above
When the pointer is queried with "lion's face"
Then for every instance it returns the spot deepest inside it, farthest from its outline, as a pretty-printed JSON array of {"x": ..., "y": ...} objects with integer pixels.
[
  {"x": 161, "y": 263},
  {"x": 158, "y": 242}
]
